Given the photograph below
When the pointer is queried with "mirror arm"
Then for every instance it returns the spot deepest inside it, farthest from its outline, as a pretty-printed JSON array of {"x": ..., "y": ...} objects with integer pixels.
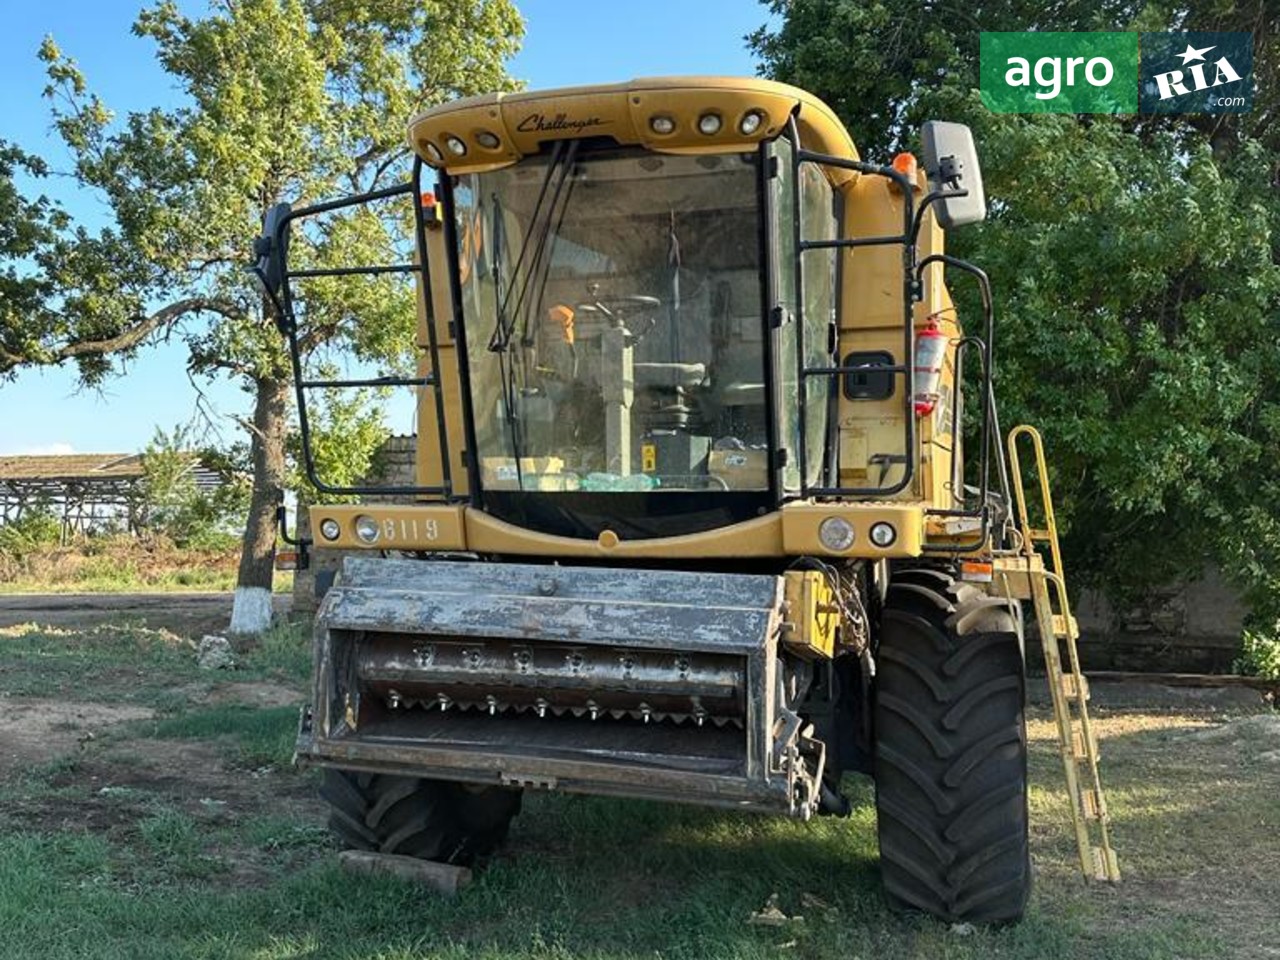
[
  {"x": 276, "y": 306},
  {"x": 930, "y": 199},
  {"x": 303, "y": 544}
]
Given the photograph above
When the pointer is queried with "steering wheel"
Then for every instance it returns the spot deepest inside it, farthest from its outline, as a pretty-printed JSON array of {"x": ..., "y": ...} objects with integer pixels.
[{"x": 620, "y": 308}]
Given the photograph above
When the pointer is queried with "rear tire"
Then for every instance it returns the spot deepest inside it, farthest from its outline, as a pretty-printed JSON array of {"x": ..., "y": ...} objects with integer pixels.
[
  {"x": 951, "y": 752},
  {"x": 429, "y": 819}
]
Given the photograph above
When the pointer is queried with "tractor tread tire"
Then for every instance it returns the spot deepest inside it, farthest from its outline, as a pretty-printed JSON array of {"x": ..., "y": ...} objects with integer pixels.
[
  {"x": 951, "y": 752},
  {"x": 411, "y": 816}
]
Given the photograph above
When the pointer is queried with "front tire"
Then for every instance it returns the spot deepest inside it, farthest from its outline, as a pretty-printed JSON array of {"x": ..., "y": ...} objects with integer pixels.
[
  {"x": 951, "y": 751},
  {"x": 428, "y": 819}
]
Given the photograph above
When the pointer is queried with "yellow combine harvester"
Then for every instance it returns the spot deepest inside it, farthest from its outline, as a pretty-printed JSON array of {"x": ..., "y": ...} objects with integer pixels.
[{"x": 692, "y": 520}]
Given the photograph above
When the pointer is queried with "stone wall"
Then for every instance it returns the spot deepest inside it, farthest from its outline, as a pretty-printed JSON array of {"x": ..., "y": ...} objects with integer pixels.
[
  {"x": 393, "y": 466},
  {"x": 1189, "y": 627}
]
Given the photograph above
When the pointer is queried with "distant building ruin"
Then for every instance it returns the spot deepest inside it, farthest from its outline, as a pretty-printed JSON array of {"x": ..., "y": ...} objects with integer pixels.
[{"x": 88, "y": 492}]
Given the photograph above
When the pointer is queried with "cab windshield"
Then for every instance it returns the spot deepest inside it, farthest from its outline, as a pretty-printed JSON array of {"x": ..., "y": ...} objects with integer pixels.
[{"x": 612, "y": 314}]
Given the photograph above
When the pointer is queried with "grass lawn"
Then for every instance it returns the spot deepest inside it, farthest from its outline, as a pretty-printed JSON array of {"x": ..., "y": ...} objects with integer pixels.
[{"x": 148, "y": 810}]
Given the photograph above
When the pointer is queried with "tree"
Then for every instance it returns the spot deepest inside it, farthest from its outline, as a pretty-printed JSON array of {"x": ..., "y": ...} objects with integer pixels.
[
  {"x": 172, "y": 502},
  {"x": 1134, "y": 261},
  {"x": 286, "y": 100},
  {"x": 28, "y": 229},
  {"x": 348, "y": 428},
  {"x": 40, "y": 251}
]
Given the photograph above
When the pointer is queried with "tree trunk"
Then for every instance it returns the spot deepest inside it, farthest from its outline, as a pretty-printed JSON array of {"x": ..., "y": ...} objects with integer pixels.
[{"x": 251, "y": 611}]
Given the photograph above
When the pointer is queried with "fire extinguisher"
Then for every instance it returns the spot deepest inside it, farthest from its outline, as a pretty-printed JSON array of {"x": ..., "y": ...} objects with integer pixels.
[{"x": 931, "y": 349}]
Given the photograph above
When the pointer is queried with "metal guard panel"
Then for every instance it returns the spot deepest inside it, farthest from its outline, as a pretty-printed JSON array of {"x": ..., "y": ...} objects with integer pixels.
[
  {"x": 707, "y": 612},
  {"x": 653, "y": 781}
]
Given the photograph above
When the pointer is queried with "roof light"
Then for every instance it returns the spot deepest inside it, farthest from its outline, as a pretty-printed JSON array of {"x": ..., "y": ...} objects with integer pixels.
[
  {"x": 456, "y": 146},
  {"x": 488, "y": 140},
  {"x": 329, "y": 528},
  {"x": 434, "y": 155},
  {"x": 662, "y": 125},
  {"x": 750, "y": 123},
  {"x": 709, "y": 123}
]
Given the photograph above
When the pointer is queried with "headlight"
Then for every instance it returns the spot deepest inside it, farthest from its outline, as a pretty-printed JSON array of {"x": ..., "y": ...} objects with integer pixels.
[
  {"x": 488, "y": 140},
  {"x": 750, "y": 123},
  {"x": 456, "y": 146},
  {"x": 882, "y": 534},
  {"x": 330, "y": 529},
  {"x": 434, "y": 155},
  {"x": 366, "y": 529},
  {"x": 836, "y": 533},
  {"x": 662, "y": 126},
  {"x": 709, "y": 123}
]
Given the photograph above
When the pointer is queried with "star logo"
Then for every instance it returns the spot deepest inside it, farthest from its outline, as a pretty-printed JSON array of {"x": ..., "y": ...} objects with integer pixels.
[
  {"x": 1191, "y": 53},
  {"x": 1196, "y": 72}
]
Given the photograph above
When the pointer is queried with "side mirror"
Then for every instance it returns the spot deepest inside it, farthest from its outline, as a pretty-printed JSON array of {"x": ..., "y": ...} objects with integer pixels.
[
  {"x": 270, "y": 253},
  {"x": 951, "y": 162}
]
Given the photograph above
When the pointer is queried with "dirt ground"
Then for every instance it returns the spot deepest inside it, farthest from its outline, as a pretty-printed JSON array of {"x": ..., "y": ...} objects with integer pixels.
[
  {"x": 181, "y": 778},
  {"x": 184, "y": 613},
  {"x": 36, "y": 730}
]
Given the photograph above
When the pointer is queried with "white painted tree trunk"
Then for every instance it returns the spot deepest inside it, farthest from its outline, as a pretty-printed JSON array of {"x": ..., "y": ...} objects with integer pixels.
[{"x": 251, "y": 610}]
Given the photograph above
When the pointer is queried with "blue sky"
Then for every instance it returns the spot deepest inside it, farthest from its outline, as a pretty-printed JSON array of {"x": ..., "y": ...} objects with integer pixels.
[{"x": 566, "y": 42}]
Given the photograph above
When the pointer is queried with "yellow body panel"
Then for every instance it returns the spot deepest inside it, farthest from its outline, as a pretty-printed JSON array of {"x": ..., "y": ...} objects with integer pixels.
[
  {"x": 401, "y": 526},
  {"x": 522, "y": 122},
  {"x": 812, "y": 616},
  {"x": 871, "y": 320},
  {"x": 428, "y": 448},
  {"x": 791, "y": 531}
]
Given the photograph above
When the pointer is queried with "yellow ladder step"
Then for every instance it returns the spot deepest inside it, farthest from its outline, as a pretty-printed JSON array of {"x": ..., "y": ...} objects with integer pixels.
[
  {"x": 1095, "y": 808},
  {"x": 1073, "y": 682},
  {"x": 1099, "y": 863},
  {"x": 1081, "y": 748},
  {"x": 1067, "y": 627},
  {"x": 1105, "y": 864}
]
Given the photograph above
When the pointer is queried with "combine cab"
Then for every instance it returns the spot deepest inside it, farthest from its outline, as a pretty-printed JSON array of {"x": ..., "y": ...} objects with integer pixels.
[{"x": 692, "y": 520}]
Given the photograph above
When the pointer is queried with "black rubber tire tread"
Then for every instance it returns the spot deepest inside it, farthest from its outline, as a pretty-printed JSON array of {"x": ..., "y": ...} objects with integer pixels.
[
  {"x": 951, "y": 752},
  {"x": 429, "y": 819}
]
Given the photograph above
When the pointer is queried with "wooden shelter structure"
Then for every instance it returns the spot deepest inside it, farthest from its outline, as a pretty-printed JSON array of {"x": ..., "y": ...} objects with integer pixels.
[{"x": 87, "y": 491}]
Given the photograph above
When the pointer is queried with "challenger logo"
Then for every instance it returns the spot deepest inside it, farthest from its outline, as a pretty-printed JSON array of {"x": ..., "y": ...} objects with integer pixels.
[{"x": 541, "y": 123}]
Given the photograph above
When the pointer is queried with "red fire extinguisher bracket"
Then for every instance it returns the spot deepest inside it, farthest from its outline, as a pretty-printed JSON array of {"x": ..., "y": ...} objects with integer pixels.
[{"x": 931, "y": 351}]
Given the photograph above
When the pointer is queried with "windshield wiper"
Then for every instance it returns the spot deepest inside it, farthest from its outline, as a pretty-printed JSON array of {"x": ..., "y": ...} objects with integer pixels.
[{"x": 541, "y": 224}]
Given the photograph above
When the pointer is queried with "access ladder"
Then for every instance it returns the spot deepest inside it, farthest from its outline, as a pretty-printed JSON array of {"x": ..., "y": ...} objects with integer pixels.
[{"x": 1068, "y": 688}]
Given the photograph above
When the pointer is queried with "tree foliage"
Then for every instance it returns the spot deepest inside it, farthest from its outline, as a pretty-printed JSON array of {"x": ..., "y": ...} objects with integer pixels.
[
  {"x": 1134, "y": 262},
  {"x": 283, "y": 100},
  {"x": 347, "y": 431},
  {"x": 48, "y": 270},
  {"x": 172, "y": 503},
  {"x": 28, "y": 229},
  {"x": 39, "y": 528}
]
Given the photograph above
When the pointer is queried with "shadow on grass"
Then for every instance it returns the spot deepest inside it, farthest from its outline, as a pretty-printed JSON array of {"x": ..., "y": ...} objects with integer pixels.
[
  {"x": 582, "y": 878},
  {"x": 1193, "y": 822},
  {"x": 260, "y": 737},
  {"x": 614, "y": 880}
]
